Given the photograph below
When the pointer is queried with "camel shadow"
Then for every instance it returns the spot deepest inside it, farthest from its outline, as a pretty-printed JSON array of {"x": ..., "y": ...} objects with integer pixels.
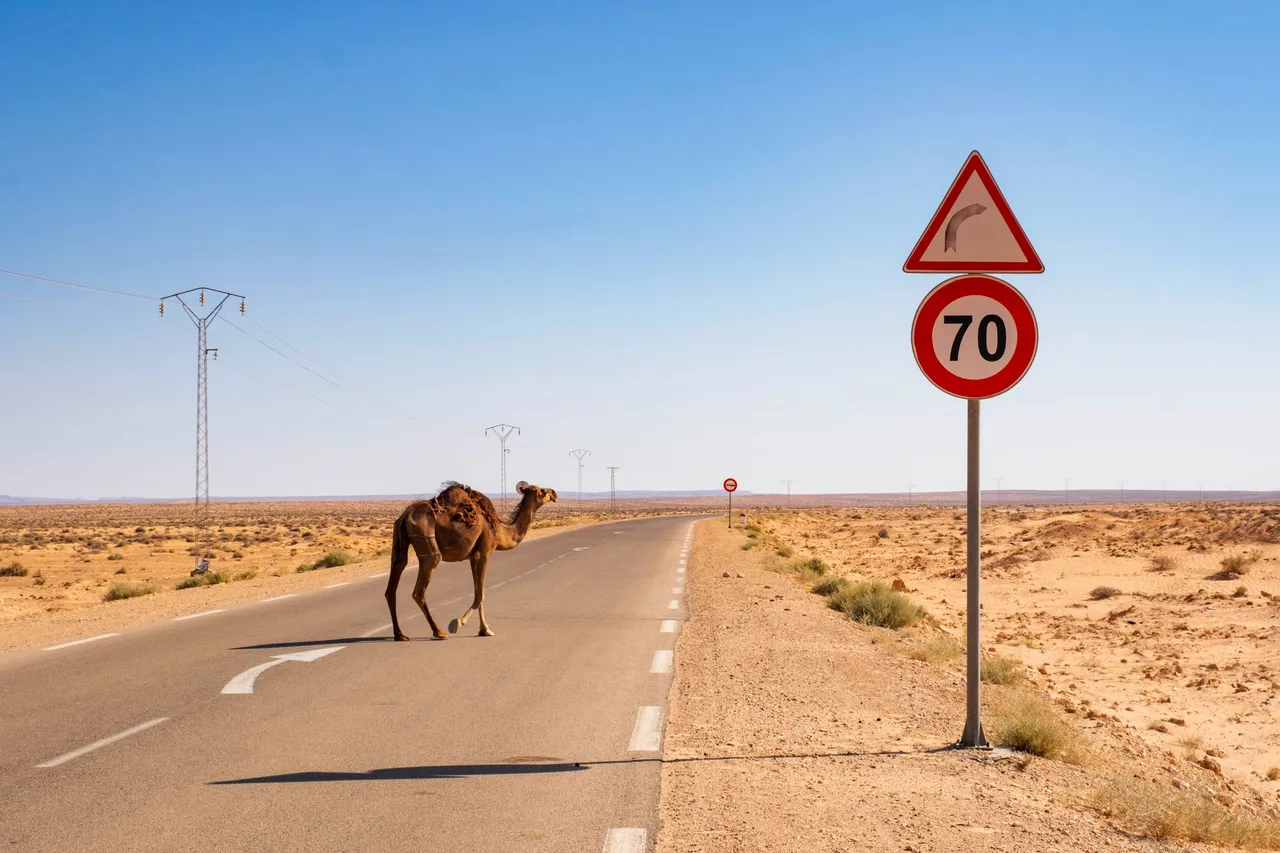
[
  {"x": 522, "y": 768},
  {"x": 346, "y": 641}
]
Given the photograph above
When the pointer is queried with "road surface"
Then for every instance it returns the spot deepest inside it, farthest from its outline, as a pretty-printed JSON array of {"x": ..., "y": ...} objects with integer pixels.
[{"x": 545, "y": 737}]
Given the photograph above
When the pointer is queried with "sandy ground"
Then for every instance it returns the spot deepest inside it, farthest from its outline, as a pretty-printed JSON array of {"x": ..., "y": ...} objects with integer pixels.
[
  {"x": 70, "y": 556},
  {"x": 792, "y": 728}
]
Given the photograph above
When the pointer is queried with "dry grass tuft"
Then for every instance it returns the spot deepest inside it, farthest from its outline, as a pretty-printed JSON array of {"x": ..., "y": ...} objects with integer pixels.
[
  {"x": 1102, "y": 592},
  {"x": 1191, "y": 746},
  {"x": 1236, "y": 566},
  {"x": 1002, "y": 669},
  {"x": 829, "y": 586},
  {"x": 1273, "y": 774},
  {"x": 203, "y": 579},
  {"x": 813, "y": 567},
  {"x": 1165, "y": 563},
  {"x": 124, "y": 589},
  {"x": 876, "y": 603},
  {"x": 938, "y": 648},
  {"x": 1028, "y": 723},
  {"x": 1189, "y": 815}
]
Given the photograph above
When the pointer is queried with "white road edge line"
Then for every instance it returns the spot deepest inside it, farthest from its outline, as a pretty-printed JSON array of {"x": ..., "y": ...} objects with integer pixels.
[
  {"x": 662, "y": 661},
  {"x": 380, "y": 575},
  {"x": 78, "y": 642},
  {"x": 279, "y": 597},
  {"x": 194, "y": 615},
  {"x": 339, "y": 583},
  {"x": 668, "y": 626},
  {"x": 626, "y": 840},
  {"x": 674, "y": 605},
  {"x": 647, "y": 735},
  {"x": 76, "y": 753}
]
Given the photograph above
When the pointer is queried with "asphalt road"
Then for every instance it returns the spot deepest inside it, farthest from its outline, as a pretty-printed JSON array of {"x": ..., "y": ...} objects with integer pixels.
[{"x": 542, "y": 738}]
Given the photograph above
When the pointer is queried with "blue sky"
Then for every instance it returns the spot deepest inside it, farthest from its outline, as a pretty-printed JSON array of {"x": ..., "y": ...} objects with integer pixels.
[{"x": 669, "y": 233}]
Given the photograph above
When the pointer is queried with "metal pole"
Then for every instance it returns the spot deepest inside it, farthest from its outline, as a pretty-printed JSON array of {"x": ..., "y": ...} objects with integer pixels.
[
  {"x": 973, "y": 735},
  {"x": 731, "y": 510}
]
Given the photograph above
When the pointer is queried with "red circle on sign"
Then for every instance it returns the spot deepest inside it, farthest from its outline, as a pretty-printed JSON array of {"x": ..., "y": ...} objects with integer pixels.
[
  {"x": 730, "y": 484},
  {"x": 946, "y": 294}
]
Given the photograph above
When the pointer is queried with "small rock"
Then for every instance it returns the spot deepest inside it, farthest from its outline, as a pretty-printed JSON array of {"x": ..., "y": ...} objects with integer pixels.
[
  {"x": 1177, "y": 721},
  {"x": 1226, "y": 799},
  {"x": 1042, "y": 669},
  {"x": 726, "y": 574},
  {"x": 899, "y": 585},
  {"x": 740, "y": 574},
  {"x": 1216, "y": 753},
  {"x": 1180, "y": 785},
  {"x": 1209, "y": 764},
  {"x": 1240, "y": 688}
]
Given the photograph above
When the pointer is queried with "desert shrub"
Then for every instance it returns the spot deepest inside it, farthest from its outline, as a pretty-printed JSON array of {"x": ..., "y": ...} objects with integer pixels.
[
  {"x": 828, "y": 586},
  {"x": 38, "y": 578},
  {"x": 1164, "y": 812},
  {"x": 936, "y": 649},
  {"x": 246, "y": 575},
  {"x": 785, "y": 552},
  {"x": 747, "y": 546},
  {"x": 204, "y": 579},
  {"x": 1028, "y": 723},
  {"x": 1237, "y": 565},
  {"x": 13, "y": 570},
  {"x": 115, "y": 557},
  {"x": 1098, "y": 593},
  {"x": 1191, "y": 746},
  {"x": 1164, "y": 563},
  {"x": 125, "y": 589},
  {"x": 1273, "y": 774},
  {"x": 876, "y": 603},
  {"x": 333, "y": 558}
]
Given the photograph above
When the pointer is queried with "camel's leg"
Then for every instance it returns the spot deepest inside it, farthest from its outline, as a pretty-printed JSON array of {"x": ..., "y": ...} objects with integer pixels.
[
  {"x": 398, "y": 562},
  {"x": 428, "y": 559},
  {"x": 479, "y": 562}
]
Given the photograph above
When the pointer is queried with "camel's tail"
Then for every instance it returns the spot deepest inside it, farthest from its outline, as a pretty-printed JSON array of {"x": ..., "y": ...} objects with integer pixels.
[{"x": 400, "y": 545}]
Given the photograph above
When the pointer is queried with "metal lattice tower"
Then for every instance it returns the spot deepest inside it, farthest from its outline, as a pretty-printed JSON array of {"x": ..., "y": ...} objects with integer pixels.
[
  {"x": 788, "y": 484},
  {"x": 202, "y": 403},
  {"x": 503, "y": 432},
  {"x": 910, "y": 486},
  {"x": 613, "y": 492},
  {"x": 580, "y": 454}
]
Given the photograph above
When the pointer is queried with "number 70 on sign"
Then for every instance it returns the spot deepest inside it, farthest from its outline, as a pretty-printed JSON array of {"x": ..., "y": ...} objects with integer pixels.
[{"x": 974, "y": 336}]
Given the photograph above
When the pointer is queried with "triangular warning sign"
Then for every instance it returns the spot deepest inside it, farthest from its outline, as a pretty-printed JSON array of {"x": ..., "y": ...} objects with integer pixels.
[{"x": 973, "y": 230}]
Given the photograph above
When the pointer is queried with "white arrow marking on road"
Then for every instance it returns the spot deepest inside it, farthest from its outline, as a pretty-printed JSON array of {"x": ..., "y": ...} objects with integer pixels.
[{"x": 243, "y": 683}]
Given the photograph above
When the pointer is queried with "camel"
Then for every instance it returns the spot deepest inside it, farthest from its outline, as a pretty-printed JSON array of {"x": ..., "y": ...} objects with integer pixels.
[{"x": 457, "y": 524}]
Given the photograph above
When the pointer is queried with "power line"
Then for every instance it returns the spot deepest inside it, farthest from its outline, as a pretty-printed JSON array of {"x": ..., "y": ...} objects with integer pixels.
[
  {"x": 277, "y": 352},
  {"x": 55, "y": 281}
]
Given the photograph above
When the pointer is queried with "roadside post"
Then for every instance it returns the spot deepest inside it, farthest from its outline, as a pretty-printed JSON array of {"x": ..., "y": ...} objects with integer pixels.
[
  {"x": 730, "y": 485},
  {"x": 974, "y": 336}
]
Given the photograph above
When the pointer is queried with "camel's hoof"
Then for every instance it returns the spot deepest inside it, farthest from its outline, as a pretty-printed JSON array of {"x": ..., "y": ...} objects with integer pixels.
[
  {"x": 454, "y": 626},
  {"x": 401, "y": 638},
  {"x": 487, "y": 632},
  {"x": 440, "y": 635}
]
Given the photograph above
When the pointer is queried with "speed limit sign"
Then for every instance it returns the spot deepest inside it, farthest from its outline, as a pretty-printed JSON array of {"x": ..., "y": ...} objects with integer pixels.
[{"x": 974, "y": 336}]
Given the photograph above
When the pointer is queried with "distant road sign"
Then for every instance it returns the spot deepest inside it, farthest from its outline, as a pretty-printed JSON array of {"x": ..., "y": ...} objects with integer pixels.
[
  {"x": 974, "y": 336},
  {"x": 973, "y": 230},
  {"x": 730, "y": 485}
]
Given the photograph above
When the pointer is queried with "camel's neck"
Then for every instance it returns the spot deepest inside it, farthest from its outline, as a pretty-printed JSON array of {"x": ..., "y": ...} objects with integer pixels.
[{"x": 511, "y": 533}]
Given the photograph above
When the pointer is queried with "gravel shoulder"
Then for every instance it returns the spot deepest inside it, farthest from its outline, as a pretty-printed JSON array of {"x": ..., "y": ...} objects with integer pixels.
[{"x": 792, "y": 728}]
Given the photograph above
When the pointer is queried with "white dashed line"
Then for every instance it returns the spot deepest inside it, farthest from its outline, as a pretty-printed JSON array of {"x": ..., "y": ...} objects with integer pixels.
[
  {"x": 674, "y": 605},
  {"x": 280, "y": 597},
  {"x": 195, "y": 615},
  {"x": 662, "y": 660},
  {"x": 668, "y": 626},
  {"x": 647, "y": 735},
  {"x": 626, "y": 840},
  {"x": 680, "y": 570},
  {"x": 78, "y": 642},
  {"x": 339, "y": 583},
  {"x": 677, "y": 590},
  {"x": 63, "y": 759}
]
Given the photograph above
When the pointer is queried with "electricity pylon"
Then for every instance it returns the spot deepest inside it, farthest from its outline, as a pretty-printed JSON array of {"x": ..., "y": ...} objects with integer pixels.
[
  {"x": 613, "y": 493},
  {"x": 579, "y": 454},
  {"x": 503, "y": 432}
]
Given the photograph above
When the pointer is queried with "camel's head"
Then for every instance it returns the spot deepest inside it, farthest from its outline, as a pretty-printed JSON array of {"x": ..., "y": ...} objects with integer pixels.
[{"x": 539, "y": 495}]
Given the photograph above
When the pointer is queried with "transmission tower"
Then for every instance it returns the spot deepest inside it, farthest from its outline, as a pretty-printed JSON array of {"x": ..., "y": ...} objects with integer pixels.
[
  {"x": 579, "y": 454},
  {"x": 613, "y": 492},
  {"x": 202, "y": 404},
  {"x": 788, "y": 484},
  {"x": 503, "y": 432}
]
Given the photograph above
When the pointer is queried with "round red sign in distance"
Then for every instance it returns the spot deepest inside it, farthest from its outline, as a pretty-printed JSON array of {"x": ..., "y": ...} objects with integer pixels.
[
  {"x": 730, "y": 484},
  {"x": 938, "y": 300}
]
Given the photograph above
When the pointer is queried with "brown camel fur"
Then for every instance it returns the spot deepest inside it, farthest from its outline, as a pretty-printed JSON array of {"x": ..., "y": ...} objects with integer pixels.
[{"x": 457, "y": 524}]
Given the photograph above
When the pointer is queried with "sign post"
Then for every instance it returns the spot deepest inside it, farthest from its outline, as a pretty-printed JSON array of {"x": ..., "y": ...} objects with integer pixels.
[
  {"x": 730, "y": 485},
  {"x": 974, "y": 336}
]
